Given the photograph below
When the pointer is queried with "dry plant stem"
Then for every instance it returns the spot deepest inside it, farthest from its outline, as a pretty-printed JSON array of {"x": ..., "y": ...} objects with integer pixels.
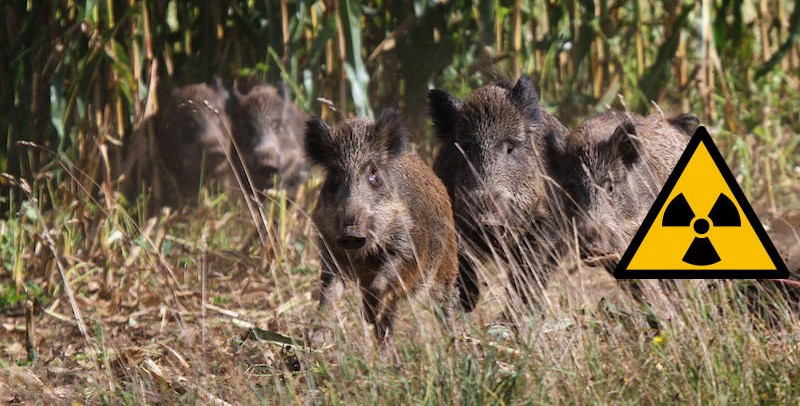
[
  {"x": 256, "y": 209},
  {"x": 68, "y": 168},
  {"x": 203, "y": 300},
  {"x": 788, "y": 282},
  {"x": 30, "y": 330},
  {"x": 51, "y": 245},
  {"x": 598, "y": 260}
]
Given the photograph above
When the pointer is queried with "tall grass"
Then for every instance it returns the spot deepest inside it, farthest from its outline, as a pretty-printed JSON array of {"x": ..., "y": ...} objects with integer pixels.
[{"x": 103, "y": 300}]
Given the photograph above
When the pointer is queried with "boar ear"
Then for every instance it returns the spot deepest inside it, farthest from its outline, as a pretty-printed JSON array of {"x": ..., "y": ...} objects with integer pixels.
[
  {"x": 687, "y": 123},
  {"x": 220, "y": 87},
  {"x": 318, "y": 145},
  {"x": 284, "y": 91},
  {"x": 286, "y": 95},
  {"x": 235, "y": 92},
  {"x": 525, "y": 97},
  {"x": 217, "y": 82},
  {"x": 444, "y": 109},
  {"x": 392, "y": 131},
  {"x": 556, "y": 149},
  {"x": 624, "y": 143}
]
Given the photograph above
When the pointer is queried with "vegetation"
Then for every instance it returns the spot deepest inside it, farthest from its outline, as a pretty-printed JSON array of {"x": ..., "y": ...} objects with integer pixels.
[{"x": 104, "y": 300}]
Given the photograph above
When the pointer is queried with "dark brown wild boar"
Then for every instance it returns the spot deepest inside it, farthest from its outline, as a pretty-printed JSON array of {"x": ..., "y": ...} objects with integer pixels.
[
  {"x": 383, "y": 216},
  {"x": 193, "y": 140},
  {"x": 764, "y": 297},
  {"x": 493, "y": 161},
  {"x": 613, "y": 167},
  {"x": 785, "y": 234},
  {"x": 269, "y": 128}
]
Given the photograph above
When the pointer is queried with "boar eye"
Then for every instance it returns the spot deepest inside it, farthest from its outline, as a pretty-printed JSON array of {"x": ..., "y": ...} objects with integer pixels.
[
  {"x": 509, "y": 146},
  {"x": 373, "y": 176},
  {"x": 609, "y": 184}
]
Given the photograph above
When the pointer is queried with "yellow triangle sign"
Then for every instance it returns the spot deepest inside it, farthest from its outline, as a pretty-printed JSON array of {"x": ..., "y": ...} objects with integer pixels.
[{"x": 701, "y": 226}]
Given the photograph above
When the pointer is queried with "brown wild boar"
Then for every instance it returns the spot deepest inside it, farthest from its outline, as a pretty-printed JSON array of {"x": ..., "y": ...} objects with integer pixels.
[
  {"x": 268, "y": 128},
  {"x": 764, "y": 297},
  {"x": 613, "y": 167},
  {"x": 785, "y": 234},
  {"x": 493, "y": 161},
  {"x": 193, "y": 140},
  {"x": 383, "y": 216}
]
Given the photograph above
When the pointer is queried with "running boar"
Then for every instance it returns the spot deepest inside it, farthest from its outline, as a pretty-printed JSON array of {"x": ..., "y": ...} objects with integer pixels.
[
  {"x": 383, "y": 217},
  {"x": 494, "y": 164},
  {"x": 268, "y": 128},
  {"x": 613, "y": 167},
  {"x": 193, "y": 139}
]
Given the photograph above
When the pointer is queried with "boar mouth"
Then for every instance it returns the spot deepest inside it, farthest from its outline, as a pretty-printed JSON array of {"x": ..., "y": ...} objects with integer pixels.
[
  {"x": 268, "y": 170},
  {"x": 352, "y": 242},
  {"x": 599, "y": 253},
  {"x": 601, "y": 260},
  {"x": 495, "y": 226}
]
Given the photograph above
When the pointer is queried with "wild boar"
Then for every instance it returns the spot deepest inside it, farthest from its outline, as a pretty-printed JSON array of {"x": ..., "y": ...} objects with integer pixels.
[
  {"x": 268, "y": 128},
  {"x": 193, "y": 140},
  {"x": 613, "y": 167},
  {"x": 384, "y": 218},
  {"x": 493, "y": 161},
  {"x": 785, "y": 234},
  {"x": 767, "y": 299}
]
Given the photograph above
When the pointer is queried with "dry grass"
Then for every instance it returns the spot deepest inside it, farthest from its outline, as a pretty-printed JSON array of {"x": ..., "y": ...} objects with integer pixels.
[{"x": 182, "y": 307}]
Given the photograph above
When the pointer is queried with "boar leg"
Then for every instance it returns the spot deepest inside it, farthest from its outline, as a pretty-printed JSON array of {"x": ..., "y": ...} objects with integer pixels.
[
  {"x": 331, "y": 288},
  {"x": 445, "y": 296},
  {"x": 469, "y": 290},
  {"x": 531, "y": 276},
  {"x": 375, "y": 312},
  {"x": 330, "y": 280},
  {"x": 380, "y": 297}
]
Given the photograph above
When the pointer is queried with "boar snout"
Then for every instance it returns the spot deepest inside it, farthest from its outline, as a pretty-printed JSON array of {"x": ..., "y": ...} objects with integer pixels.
[
  {"x": 352, "y": 238},
  {"x": 602, "y": 238},
  {"x": 491, "y": 210},
  {"x": 267, "y": 160},
  {"x": 490, "y": 206},
  {"x": 352, "y": 228}
]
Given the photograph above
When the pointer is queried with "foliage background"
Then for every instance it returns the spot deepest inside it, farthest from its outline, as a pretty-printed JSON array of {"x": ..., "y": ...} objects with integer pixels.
[{"x": 76, "y": 75}]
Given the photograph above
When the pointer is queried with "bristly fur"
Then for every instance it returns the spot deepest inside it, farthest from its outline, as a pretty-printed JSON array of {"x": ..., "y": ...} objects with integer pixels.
[
  {"x": 525, "y": 97},
  {"x": 269, "y": 129},
  {"x": 623, "y": 143},
  {"x": 612, "y": 166},
  {"x": 493, "y": 161},
  {"x": 318, "y": 143},
  {"x": 444, "y": 110},
  {"x": 392, "y": 131},
  {"x": 383, "y": 217},
  {"x": 687, "y": 123}
]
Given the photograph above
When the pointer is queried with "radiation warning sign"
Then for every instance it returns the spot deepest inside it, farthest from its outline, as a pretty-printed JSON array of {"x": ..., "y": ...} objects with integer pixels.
[{"x": 701, "y": 226}]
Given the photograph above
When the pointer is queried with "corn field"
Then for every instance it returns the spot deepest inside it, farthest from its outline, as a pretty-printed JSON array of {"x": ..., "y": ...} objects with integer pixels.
[{"x": 78, "y": 77}]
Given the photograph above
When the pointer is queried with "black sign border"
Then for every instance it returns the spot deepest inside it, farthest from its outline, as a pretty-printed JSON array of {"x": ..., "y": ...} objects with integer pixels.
[{"x": 701, "y": 135}]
